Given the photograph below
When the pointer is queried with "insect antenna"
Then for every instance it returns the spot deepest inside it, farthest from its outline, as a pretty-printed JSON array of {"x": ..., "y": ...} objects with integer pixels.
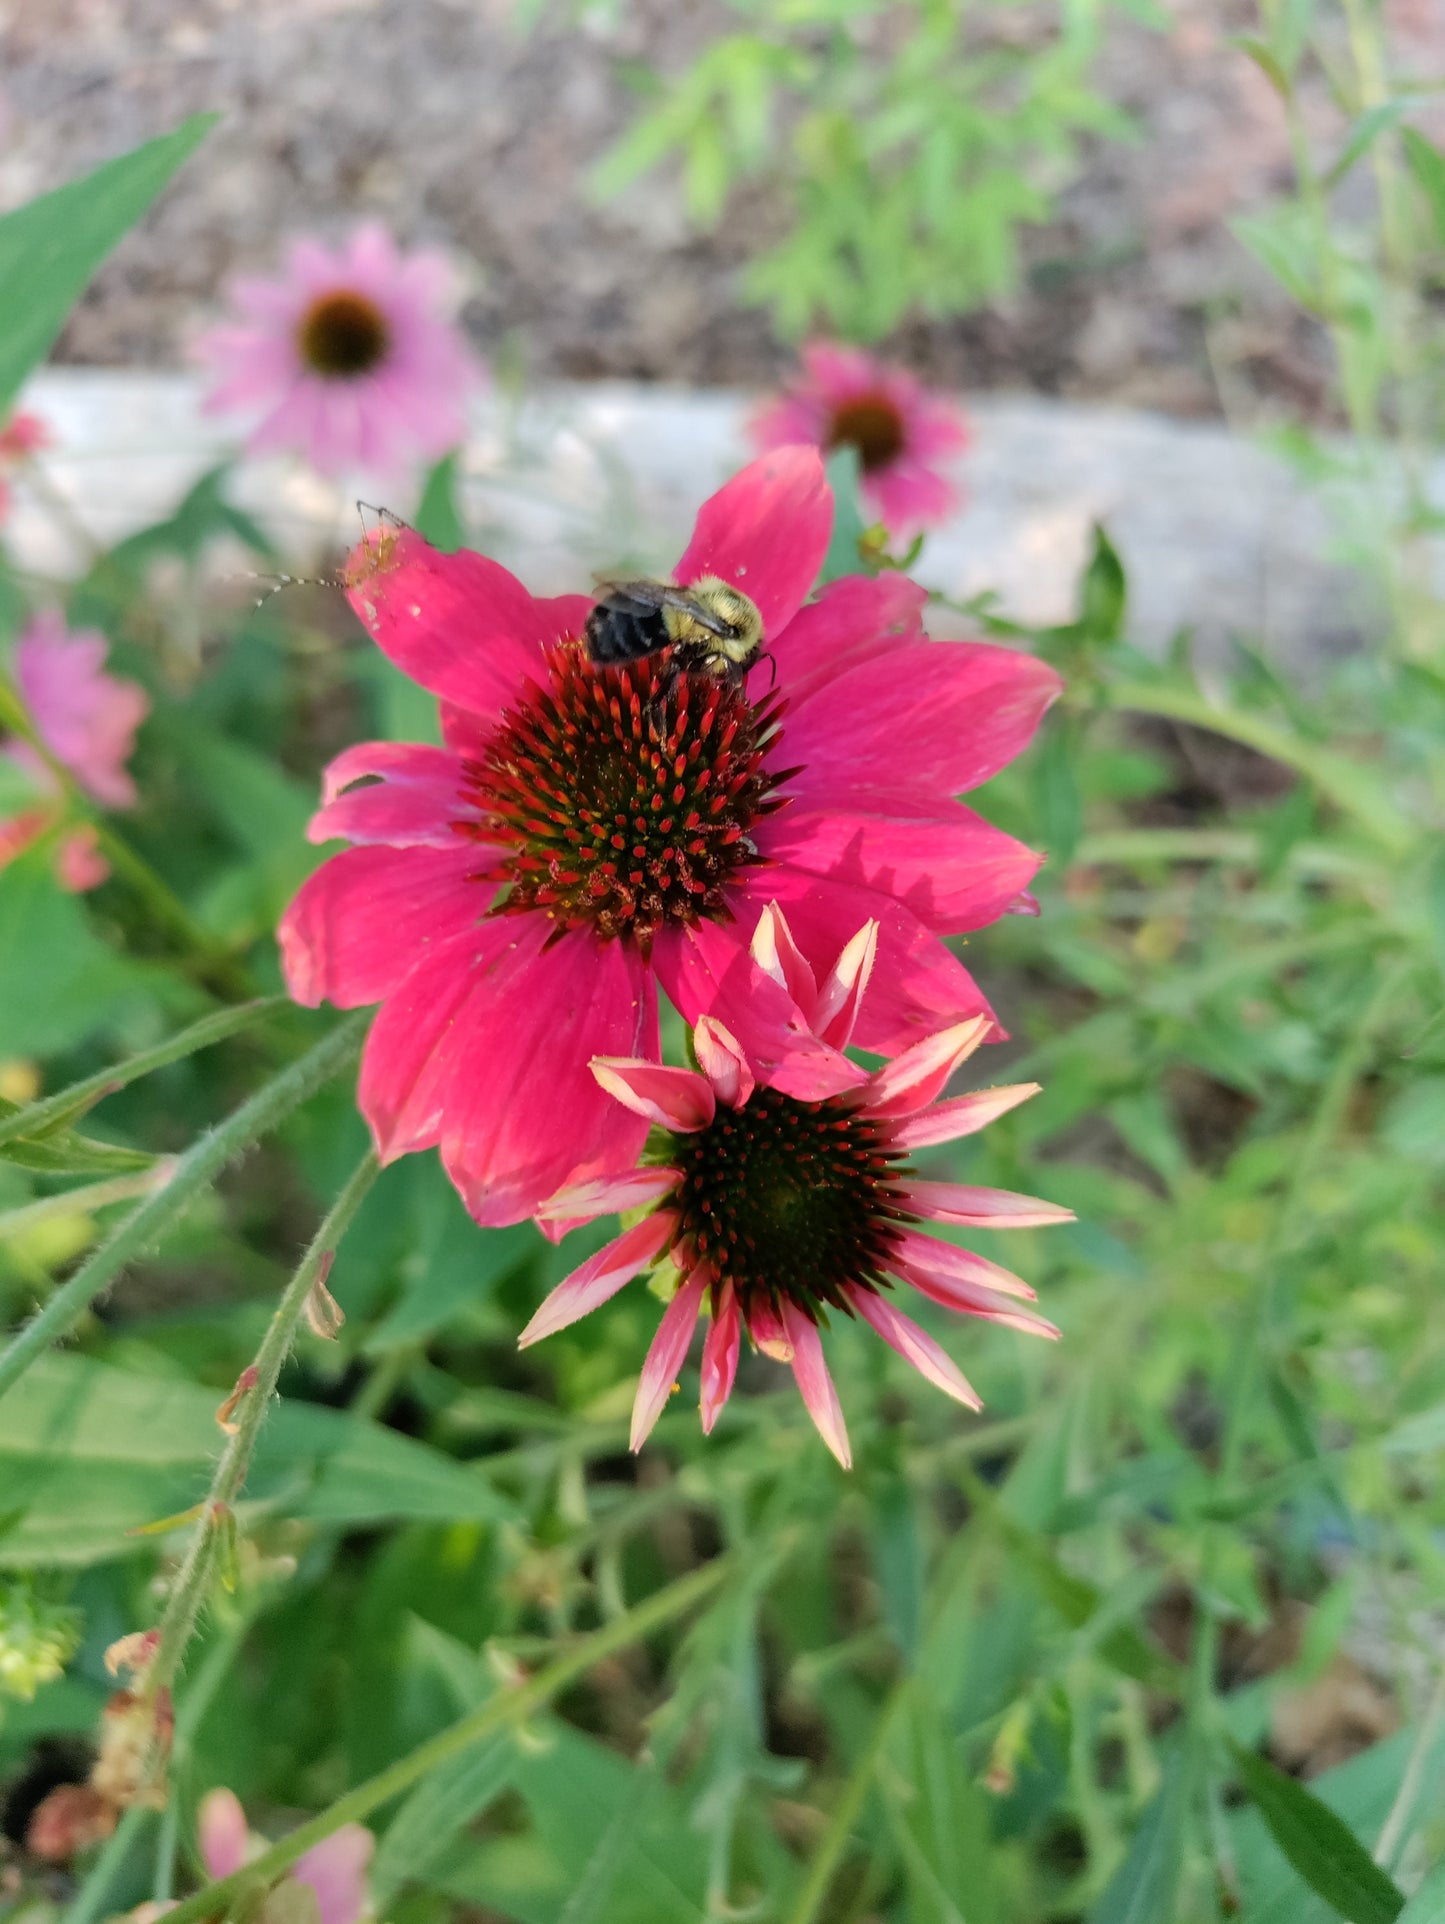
[{"x": 279, "y": 581}]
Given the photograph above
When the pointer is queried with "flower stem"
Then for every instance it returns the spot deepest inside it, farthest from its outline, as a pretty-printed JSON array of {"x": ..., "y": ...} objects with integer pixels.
[
  {"x": 89, "y": 1196},
  {"x": 844, "y": 1814},
  {"x": 189, "y": 1591},
  {"x": 36, "y": 1117},
  {"x": 500, "y": 1712},
  {"x": 198, "y": 1167},
  {"x": 1350, "y": 787}
]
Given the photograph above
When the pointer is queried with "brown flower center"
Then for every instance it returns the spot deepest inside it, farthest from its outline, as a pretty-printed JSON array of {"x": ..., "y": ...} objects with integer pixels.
[
  {"x": 872, "y": 424},
  {"x": 623, "y": 796},
  {"x": 342, "y": 335},
  {"x": 789, "y": 1199}
]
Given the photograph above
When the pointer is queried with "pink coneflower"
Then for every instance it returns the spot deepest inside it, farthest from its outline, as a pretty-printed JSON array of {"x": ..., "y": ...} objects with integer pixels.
[
  {"x": 587, "y": 831},
  {"x": 22, "y": 436},
  {"x": 88, "y": 721},
  {"x": 846, "y": 398},
  {"x": 335, "y": 1869},
  {"x": 777, "y": 1211},
  {"x": 350, "y": 358}
]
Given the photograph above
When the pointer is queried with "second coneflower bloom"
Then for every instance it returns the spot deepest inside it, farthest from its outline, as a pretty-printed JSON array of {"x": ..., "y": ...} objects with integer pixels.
[
  {"x": 776, "y": 1213},
  {"x": 901, "y": 432},
  {"x": 350, "y": 358}
]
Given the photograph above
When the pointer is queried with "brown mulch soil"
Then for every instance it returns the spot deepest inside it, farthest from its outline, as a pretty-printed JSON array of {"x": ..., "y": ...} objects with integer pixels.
[{"x": 446, "y": 120}]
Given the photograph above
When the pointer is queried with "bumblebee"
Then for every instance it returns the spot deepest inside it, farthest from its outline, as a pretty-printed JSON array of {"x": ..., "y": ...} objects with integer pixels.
[{"x": 710, "y": 626}]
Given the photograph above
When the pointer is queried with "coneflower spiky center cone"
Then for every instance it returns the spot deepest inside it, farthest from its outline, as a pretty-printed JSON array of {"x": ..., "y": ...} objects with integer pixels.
[
  {"x": 622, "y": 797},
  {"x": 342, "y": 335},
  {"x": 872, "y": 424},
  {"x": 789, "y": 1200}
]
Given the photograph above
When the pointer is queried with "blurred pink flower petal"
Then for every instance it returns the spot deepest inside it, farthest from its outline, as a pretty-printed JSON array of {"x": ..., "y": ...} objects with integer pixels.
[
  {"x": 222, "y": 1832},
  {"x": 86, "y": 718},
  {"x": 24, "y": 434},
  {"x": 846, "y": 398},
  {"x": 349, "y": 358},
  {"x": 336, "y": 1870}
]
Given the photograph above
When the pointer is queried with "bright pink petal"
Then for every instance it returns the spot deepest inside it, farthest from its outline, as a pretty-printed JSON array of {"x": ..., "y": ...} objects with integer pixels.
[
  {"x": 720, "y": 1357},
  {"x": 912, "y": 1080},
  {"x": 815, "y": 1385},
  {"x": 705, "y": 970},
  {"x": 723, "y": 1063},
  {"x": 484, "y": 1049},
  {"x": 417, "y": 804},
  {"x": 766, "y": 531},
  {"x": 607, "y": 1195},
  {"x": 915, "y": 1346},
  {"x": 678, "y": 1099},
  {"x": 336, "y": 1870},
  {"x": 918, "y": 986},
  {"x": 360, "y": 924},
  {"x": 927, "y": 719},
  {"x": 973, "y": 1299},
  {"x": 945, "y": 1264},
  {"x": 841, "y": 997},
  {"x": 951, "y": 868},
  {"x": 665, "y": 1358},
  {"x": 957, "y": 1202},
  {"x": 765, "y": 1327},
  {"x": 778, "y": 955},
  {"x": 222, "y": 1833},
  {"x": 459, "y": 624},
  {"x": 963, "y": 1116},
  {"x": 601, "y": 1276},
  {"x": 854, "y": 619}
]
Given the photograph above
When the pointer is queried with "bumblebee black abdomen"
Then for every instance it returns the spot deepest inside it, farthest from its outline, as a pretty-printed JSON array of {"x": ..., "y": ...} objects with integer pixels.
[{"x": 624, "y": 628}]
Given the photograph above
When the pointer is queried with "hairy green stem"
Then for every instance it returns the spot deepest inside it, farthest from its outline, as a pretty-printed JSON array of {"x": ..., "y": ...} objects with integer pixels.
[
  {"x": 197, "y": 1168},
  {"x": 90, "y": 1195},
  {"x": 36, "y": 1117},
  {"x": 255, "y": 1389},
  {"x": 502, "y": 1711}
]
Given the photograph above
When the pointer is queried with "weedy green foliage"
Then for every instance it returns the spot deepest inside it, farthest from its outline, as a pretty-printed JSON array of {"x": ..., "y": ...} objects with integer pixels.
[
  {"x": 905, "y": 145},
  {"x": 1032, "y": 1666}
]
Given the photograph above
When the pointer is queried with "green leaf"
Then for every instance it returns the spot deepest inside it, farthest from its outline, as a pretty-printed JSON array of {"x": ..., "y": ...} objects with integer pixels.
[
  {"x": 439, "y": 516},
  {"x": 98, "y": 1452},
  {"x": 59, "y": 983},
  {"x": 435, "y": 1813},
  {"x": 1264, "y": 58},
  {"x": 1142, "y": 1890},
  {"x": 1363, "y": 135},
  {"x": 1105, "y": 598},
  {"x": 1427, "y": 164},
  {"x": 1427, "y": 1906},
  {"x": 50, "y": 248},
  {"x": 941, "y": 1822},
  {"x": 1321, "y": 1846},
  {"x": 63, "y": 1152}
]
